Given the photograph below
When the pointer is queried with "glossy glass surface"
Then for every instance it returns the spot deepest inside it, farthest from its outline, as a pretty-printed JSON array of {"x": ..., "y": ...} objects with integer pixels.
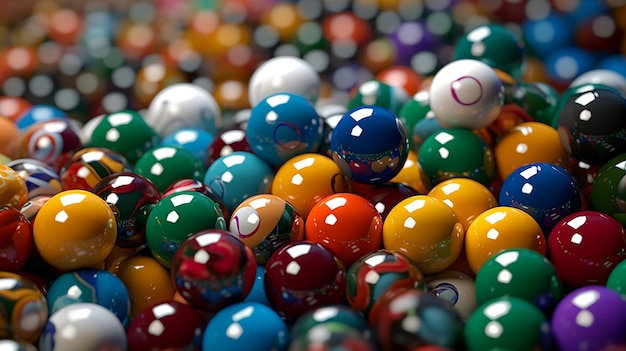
[
  {"x": 375, "y": 92},
  {"x": 283, "y": 125},
  {"x": 213, "y": 269},
  {"x": 510, "y": 323},
  {"x": 284, "y": 74},
  {"x": 346, "y": 223},
  {"x": 529, "y": 142},
  {"x": 237, "y": 176},
  {"x": 241, "y": 325},
  {"x": 16, "y": 239},
  {"x": 95, "y": 328},
  {"x": 302, "y": 276},
  {"x": 467, "y": 198},
  {"x": 438, "y": 323},
  {"x": 426, "y": 230},
  {"x": 163, "y": 165},
  {"x": 131, "y": 197},
  {"x": 40, "y": 178},
  {"x": 590, "y": 317},
  {"x": 266, "y": 222},
  {"x": 589, "y": 127},
  {"x": 125, "y": 132},
  {"x": 385, "y": 196},
  {"x": 498, "y": 229},
  {"x": 177, "y": 217},
  {"x": 306, "y": 179},
  {"x": 494, "y": 45},
  {"x": 183, "y": 105},
  {"x": 375, "y": 274},
  {"x": 52, "y": 142},
  {"x": 456, "y": 152},
  {"x": 93, "y": 286},
  {"x": 586, "y": 246},
  {"x": 23, "y": 311},
  {"x": 195, "y": 140},
  {"x": 608, "y": 193},
  {"x": 526, "y": 189},
  {"x": 225, "y": 143},
  {"x": 455, "y": 287},
  {"x": 88, "y": 166},
  {"x": 466, "y": 93},
  {"x": 166, "y": 325},
  {"x": 75, "y": 229},
  {"x": 147, "y": 281},
  {"x": 521, "y": 273},
  {"x": 13, "y": 189},
  {"x": 370, "y": 144}
]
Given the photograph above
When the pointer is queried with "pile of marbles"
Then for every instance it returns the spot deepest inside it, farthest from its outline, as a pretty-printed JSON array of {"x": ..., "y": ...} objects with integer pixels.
[{"x": 313, "y": 175}]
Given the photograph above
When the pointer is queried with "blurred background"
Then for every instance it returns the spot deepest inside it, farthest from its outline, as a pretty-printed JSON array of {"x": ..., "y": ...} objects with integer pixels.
[{"x": 93, "y": 57}]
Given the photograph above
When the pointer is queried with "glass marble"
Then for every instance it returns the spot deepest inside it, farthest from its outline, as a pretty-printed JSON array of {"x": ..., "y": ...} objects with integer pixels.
[
  {"x": 283, "y": 125},
  {"x": 75, "y": 229},
  {"x": 500, "y": 228},
  {"x": 529, "y": 142},
  {"x": 125, "y": 132},
  {"x": 183, "y": 105},
  {"x": 426, "y": 230},
  {"x": 510, "y": 323},
  {"x": 163, "y": 165},
  {"x": 213, "y": 269},
  {"x": 88, "y": 166},
  {"x": 177, "y": 217},
  {"x": 166, "y": 325},
  {"x": 196, "y": 140},
  {"x": 526, "y": 189},
  {"x": 455, "y": 287},
  {"x": 521, "y": 273},
  {"x": 375, "y": 274},
  {"x": 306, "y": 179},
  {"x": 52, "y": 142},
  {"x": 466, "y": 93},
  {"x": 264, "y": 223},
  {"x": 38, "y": 113},
  {"x": 617, "y": 278},
  {"x": 375, "y": 92},
  {"x": 585, "y": 247},
  {"x": 346, "y": 223},
  {"x": 590, "y": 317},
  {"x": 330, "y": 315},
  {"x": 370, "y": 144},
  {"x": 190, "y": 184},
  {"x": 238, "y": 326},
  {"x": 385, "y": 196},
  {"x": 413, "y": 319},
  {"x": 16, "y": 239},
  {"x": 467, "y": 198},
  {"x": 494, "y": 45},
  {"x": 131, "y": 197},
  {"x": 302, "y": 276},
  {"x": 40, "y": 178},
  {"x": 146, "y": 280},
  {"x": 282, "y": 74},
  {"x": 90, "y": 285},
  {"x": 237, "y": 176},
  {"x": 538, "y": 99},
  {"x": 608, "y": 194},
  {"x": 590, "y": 127},
  {"x": 13, "y": 188},
  {"x": 225, "y": 143},
  {"x": 23, "y": 308},
  {"x": 95, "y": 328},
  {"x": 457, "y": 152}
]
